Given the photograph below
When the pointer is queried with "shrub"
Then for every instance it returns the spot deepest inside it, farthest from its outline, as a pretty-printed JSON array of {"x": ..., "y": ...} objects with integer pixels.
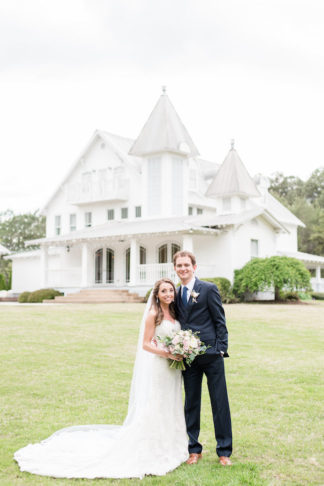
[
  {"x": 304, "y": 295},
  {"x": 23, "y": 297},
  {"x": 317, "y": 295},
  {"x": 224, "y": 287},
  {"x": 290, "y": 296},
  {"x": 147, "y": 295},
  {"x": 276, "y": 273},
  {"x": 42, "y": 294}
]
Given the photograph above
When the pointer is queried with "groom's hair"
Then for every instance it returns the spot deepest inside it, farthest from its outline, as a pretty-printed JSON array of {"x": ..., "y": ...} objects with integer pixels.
[{"x": 184, "y": 253}]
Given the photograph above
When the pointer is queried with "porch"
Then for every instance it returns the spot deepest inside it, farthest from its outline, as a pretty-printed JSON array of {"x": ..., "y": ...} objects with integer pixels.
[{"x": 134, "y": 263}]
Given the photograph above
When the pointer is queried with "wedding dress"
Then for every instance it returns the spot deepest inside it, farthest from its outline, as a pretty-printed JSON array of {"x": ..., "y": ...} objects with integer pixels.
[{"x": 152, "y": 439}]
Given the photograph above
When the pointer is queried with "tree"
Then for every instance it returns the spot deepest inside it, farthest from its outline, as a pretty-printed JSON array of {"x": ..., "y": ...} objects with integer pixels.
[
  {"x": 275, "y": 272},
  {"x": 16, "y": 229},
  {"x": 288, "y": 189},
  {"x": 314, "y": 187}
]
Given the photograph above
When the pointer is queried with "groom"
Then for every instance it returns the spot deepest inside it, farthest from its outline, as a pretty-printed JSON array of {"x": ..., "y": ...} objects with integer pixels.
[{"x": 199, "y": 308}]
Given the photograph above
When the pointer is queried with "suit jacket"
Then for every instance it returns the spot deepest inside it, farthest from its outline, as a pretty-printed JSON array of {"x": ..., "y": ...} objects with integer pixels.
[{"x": 206, "y": 315}]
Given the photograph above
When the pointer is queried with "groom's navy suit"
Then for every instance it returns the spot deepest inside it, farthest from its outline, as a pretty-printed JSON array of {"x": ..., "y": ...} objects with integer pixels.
[{"x": 207, "y": 316}]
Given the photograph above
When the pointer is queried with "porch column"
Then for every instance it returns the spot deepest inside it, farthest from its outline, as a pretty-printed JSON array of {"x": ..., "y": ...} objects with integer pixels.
[
  {"x": 44, "y": 266},
  {"x": 187, "y": 243},
  {"x": 85, "y": 265},
  {"x": 133, "y": 261}
]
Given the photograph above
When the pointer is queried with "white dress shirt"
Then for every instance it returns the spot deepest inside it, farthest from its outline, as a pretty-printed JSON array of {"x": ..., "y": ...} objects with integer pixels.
[{"x": 190, "y": 286}]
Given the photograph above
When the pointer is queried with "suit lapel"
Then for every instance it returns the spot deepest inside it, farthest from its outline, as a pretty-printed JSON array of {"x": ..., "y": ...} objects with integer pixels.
[{"x": 191, "y": 304}]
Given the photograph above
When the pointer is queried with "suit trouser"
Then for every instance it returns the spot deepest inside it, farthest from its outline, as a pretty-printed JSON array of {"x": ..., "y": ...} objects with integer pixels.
[{"x": 213, "y": 368}]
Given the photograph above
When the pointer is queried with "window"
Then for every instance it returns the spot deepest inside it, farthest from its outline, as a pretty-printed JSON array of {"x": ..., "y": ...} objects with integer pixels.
[
  {"x": 124, "y": 213},
  {"x": 138, "y": 211},
  {"x": 174, "y": 249},
  {"x": 226, "y": 204},
  {"x": 312, "y": 271},
  {"x": 154, "y": 186},
  {"x": 142, "y": 255},
  {"x": 199, "y": 211},
  {"x": 110, "y": 260},
  {"x": 86, "y": 182},
  {"x": 163, "y": 254},
  {"x": 190, "y": 210},
  {"x": 167, "y": 251},
  {"x": 110, "y": 214},
  {"x": 127, "y": 264},
  {"x": 72, "y": 222},
  {"x": 57, "y": 225},
  {"x": 98, "y": 266},
  {"x": 88, "y": 219},
  {"x": 254, "y": 248},
  {"x": 322, "y": 272}
]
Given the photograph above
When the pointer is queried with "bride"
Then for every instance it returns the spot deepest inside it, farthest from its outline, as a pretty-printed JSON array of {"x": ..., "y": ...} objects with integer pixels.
[{"x": 152, "y": 439}]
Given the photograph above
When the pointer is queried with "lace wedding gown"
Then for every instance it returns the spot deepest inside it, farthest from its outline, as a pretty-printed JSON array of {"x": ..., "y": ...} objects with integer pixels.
[{"x": 152, "y": 439}]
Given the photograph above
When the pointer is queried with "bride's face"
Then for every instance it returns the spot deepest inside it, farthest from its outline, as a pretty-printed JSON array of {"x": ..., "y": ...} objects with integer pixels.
[{"x": 166, "y": 293}]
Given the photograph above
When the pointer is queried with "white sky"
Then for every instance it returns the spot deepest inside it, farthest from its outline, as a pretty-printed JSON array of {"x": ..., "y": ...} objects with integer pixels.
[{"x": 252, "y": 70}]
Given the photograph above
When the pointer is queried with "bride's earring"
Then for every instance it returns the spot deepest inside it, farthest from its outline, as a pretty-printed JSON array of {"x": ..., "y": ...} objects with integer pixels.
[{"x": 157, "y": 300}]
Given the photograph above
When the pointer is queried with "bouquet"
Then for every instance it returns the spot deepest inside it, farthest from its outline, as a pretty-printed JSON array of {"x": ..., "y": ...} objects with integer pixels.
[{"x": 186, "y": 343}]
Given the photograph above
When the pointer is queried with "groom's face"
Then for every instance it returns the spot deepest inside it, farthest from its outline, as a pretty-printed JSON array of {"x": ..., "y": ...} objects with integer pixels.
[{"x": 185, "y": 269}]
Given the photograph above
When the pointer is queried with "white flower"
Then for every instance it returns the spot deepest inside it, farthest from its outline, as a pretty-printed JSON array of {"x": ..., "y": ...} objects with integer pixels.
[{"x": 194, "y": 296}]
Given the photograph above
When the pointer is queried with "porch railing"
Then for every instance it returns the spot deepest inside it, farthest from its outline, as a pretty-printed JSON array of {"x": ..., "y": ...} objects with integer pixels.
[
  {"x": 150, "y": 273},
  {"x": 317, "y": 285}
]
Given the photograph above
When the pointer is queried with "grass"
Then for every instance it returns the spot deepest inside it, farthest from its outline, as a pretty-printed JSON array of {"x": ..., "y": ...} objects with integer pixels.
[{"x": 72, "y": 364}]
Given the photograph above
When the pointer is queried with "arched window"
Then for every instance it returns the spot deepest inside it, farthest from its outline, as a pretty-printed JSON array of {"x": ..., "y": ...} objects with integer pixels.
[
  {"x": 174, "y": 249},
  {"x": 163, "y": 254},
  {"x": 110, "y": 265},
  {"x": 127, "y": 265},
  {"x": 98, "y": 265},
  {"x": 167, "y": 251}
]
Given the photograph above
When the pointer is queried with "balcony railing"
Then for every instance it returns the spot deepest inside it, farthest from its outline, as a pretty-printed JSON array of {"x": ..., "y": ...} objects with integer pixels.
[{"x": 101, "y": 190}]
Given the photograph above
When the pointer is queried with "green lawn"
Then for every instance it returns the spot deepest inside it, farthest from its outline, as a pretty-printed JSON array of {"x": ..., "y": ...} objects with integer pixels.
[{"x": 72, "y": 364}]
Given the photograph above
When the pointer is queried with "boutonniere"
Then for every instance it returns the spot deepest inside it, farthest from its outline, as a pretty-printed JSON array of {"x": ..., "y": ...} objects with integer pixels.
[{"x": 194, "y": 296}]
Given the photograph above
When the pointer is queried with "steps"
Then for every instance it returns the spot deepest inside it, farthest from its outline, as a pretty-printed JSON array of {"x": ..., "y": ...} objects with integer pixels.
[{"x": 99, "y": 296}]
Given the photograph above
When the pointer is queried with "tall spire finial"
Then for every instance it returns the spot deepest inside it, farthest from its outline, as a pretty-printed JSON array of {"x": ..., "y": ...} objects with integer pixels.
[
  {"x": 232, "y": 143},
  {"x": 164, "y": 89}
]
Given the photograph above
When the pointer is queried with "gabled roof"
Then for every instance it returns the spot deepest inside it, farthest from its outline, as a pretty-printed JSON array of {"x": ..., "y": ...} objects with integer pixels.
[
  {"x": 232, "y": 179},
  {"x": 279, "y": 210},
  {"x": 119, "y": 145},
  {"x": 4, "y": 250},
  {"x": 164, "y": 132}
]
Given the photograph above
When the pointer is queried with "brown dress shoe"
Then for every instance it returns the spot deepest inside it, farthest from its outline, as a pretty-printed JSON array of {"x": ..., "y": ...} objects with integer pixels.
[
  {"x": 193, "y": 458},
  {"x": 225, "y": 461}
]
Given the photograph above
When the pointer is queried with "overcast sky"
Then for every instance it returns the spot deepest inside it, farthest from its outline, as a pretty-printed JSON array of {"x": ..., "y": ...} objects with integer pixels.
[{"x": 250, "y": 70}]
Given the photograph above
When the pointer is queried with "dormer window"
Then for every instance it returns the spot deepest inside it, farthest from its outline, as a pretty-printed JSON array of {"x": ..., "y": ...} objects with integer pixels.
[
  {"x": 72, "y": 222},
  {"x": 124, "y": 213},
  {"x": 227, "y": 204},
  {"x": 88, "y": 219},
  {"x": 138, "y": 211},
  {"x": 190, "y": 211},
  {"x": 200, "y": 211},
  {"x": 57, "y": 226}
]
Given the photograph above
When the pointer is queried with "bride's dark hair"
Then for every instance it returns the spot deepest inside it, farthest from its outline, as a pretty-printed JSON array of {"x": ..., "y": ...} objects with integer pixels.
[{"x": 156, "y": 305}]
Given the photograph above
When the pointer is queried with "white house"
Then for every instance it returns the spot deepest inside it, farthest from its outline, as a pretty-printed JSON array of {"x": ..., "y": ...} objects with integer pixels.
[{"x": 126, "y": 206}]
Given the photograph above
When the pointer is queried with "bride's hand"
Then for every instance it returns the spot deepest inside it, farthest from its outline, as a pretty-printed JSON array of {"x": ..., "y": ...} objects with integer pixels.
[{"x": 175, "y": 357}]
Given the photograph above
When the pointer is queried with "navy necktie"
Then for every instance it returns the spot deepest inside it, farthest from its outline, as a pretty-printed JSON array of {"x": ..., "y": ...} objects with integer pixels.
[{"x": 184, "y": 296}]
